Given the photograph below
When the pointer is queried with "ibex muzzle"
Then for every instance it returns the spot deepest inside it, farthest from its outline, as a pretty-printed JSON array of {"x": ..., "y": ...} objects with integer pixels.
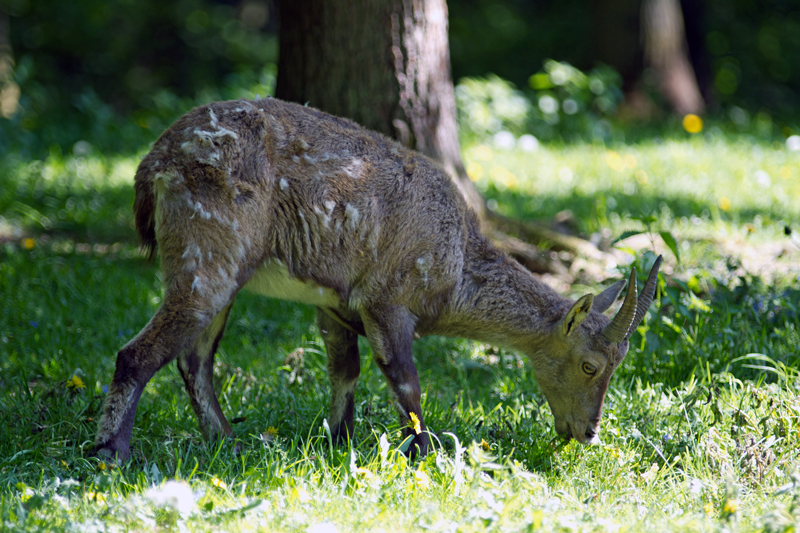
[{"x": 292, "y": 203}]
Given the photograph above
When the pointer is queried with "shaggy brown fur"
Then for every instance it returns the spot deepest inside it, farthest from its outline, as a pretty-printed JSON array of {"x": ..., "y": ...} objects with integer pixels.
[{"x": 293, "y": 203}]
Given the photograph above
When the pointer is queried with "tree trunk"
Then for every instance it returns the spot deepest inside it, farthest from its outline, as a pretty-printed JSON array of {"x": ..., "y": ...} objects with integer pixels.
[
  {"x": 383, "y": 63},
  {"x": 386, "y": 65},
  {"x": 666, "y": 51},
  {"x": 9, "y": 90}
]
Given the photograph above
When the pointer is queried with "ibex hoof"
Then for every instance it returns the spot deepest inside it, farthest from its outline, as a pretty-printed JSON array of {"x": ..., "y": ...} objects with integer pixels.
[
  {"x": 111, "y": 456},
  {"x": 415, "y": 446}
]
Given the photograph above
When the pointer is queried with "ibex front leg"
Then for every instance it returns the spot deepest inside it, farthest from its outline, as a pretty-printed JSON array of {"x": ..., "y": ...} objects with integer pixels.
[
  {"x": 344, "y": 366},
  {"x": 390, "y": 332}
]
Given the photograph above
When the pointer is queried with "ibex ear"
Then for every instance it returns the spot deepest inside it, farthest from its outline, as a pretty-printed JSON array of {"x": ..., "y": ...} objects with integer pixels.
[
  {"x": 576, "y": 314},
  {"x": 604, "y": 300}
]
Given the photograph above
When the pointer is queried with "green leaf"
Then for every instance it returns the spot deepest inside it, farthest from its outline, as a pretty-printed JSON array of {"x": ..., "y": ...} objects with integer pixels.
[
  {"x": 648, "y": 219},
  {"x": 670, "y": 241},
  {"x": 625, "y": 235}
]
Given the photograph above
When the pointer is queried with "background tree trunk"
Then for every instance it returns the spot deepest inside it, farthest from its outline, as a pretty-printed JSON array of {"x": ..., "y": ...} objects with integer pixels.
[
  {"x": 666, "y": 51},
  {"x": 383, "y": 63},
  {"x": 632, "y": 34},
  {"x": 386, "y": 65},
  {"x": 9, "y": 90}
]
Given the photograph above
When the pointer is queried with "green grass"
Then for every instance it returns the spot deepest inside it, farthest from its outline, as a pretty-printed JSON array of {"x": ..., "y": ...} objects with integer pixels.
[{"x": 702, "y": 424}]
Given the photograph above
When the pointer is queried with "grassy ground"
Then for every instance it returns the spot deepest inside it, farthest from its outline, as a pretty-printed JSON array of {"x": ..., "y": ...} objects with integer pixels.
[{"x": 701, "y": 428}]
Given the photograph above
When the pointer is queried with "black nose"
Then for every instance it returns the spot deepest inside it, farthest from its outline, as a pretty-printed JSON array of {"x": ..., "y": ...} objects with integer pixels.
[{"x": 591, "y": 433}]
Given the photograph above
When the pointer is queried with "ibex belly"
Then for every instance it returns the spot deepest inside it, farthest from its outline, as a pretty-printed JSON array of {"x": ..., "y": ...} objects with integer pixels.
[{"x": 273, "y": 280}]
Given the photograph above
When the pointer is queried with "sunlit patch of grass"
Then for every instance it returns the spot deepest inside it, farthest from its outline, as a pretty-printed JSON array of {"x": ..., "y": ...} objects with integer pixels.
[
  {"x": 87, "y": 199},
  {"x": 700, "y": 428}
]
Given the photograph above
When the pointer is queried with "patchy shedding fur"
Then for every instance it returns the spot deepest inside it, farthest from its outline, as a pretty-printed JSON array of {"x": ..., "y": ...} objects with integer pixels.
[{"x": 294, "y": 203}]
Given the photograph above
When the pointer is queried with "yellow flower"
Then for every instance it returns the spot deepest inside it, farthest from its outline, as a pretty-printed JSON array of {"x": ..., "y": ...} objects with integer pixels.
[
  {"x": 364, "y": 473},
  {"x": 75, "y": 383},
  {"x": 724, "y": 204},
  {"x": 269, "y": 435},
  {"x": 415, "y": 423},
  {"x": 709, "y": 508},
  {"x": 300, "y": 494},
  {"x": 485, "y": 445},
  {"x": 96, "y": 496},
  {"x": 421, "y": 480},
  {"x": 217, "y": 482},
  {"x": 28, "y": 243},
  {"x": 692, "y": 123},
  {"x": 731, "y": 506},
  {"x": 101, "y": 466}
]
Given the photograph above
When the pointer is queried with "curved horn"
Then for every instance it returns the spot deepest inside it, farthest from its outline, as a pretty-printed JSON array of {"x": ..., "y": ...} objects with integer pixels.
[
  {"x": 646, "y": 298},
  {"x": 618, "y": 328}
]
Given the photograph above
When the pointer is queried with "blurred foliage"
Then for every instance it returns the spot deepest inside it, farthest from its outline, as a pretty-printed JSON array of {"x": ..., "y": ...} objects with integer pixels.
[
  {"x": 489, "y": 105},
  {"x": 117, "y": 72},
  {"x": 561, "y": 102},
  {"x": 755, "y": 50},
  {"x": 111, "y": 75},
  {"x": 574, "y": 104},
  {"x": 751, "y": 48},
  {"x": 512, "y": 38}
]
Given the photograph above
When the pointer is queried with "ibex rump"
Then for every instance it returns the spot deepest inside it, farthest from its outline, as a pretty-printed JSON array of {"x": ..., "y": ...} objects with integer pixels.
[{"x": 293, "y": 203}]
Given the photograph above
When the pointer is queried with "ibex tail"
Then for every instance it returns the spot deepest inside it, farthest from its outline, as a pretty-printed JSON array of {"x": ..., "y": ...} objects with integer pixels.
[{"x": 144, "y": 209}]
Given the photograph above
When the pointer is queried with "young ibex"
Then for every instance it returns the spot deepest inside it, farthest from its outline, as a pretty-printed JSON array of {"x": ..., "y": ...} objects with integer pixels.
[{"x": 293, "y": 203}]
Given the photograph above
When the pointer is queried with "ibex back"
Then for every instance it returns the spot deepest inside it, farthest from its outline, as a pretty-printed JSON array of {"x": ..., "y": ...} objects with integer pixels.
[{"x": 293, "y": 203}]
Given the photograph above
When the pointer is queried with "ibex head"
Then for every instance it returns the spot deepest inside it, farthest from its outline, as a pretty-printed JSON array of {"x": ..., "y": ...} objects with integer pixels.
[{"x": 584, "y": 350}]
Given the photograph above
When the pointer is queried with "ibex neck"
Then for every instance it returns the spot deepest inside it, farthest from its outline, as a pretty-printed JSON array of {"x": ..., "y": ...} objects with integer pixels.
[{"x": 501, "y": 303}]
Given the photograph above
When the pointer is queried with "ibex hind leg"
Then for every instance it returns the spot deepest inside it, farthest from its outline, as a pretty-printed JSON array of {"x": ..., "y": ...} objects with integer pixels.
[
  {"x": 179, "y": 321},
  {"x": 344, "y": 367},
  {"x": 197, "y": 369}
]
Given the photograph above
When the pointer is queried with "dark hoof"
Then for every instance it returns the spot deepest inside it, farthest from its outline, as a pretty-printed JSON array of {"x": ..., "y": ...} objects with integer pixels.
[
  {"x": 111, "y": 456},
  {"x": 415, "y": 446}
]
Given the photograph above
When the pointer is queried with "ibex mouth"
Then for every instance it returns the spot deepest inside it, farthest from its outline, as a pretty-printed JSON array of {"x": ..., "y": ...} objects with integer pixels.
[{"x": 588, "y": 437}]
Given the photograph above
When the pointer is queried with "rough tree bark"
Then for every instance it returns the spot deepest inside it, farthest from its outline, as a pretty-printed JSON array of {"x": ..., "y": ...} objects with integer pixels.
[{"x": 386, "y": 65}]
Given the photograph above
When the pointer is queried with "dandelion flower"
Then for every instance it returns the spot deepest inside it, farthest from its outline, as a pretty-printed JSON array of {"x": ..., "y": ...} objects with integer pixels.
[
  {"x": 96, "y": 496},
  {"x": 724, "y": 204},
  {"x": 415, "y": 423},
  {"x": 709, "y": 508},
  {"x": 692, "y": 123},
  {"x": 269, "y": 435},
  {"x": 28, "y": 243},
  {"x": 421, "y": 480},
  {"x": 75, "y": 383},
  {"x": 731, "y": 506},
  {"x": 364, "y": 473}
]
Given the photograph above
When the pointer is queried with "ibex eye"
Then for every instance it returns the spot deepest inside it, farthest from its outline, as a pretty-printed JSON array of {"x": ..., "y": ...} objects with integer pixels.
[{"x": 589, "y": 369}]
